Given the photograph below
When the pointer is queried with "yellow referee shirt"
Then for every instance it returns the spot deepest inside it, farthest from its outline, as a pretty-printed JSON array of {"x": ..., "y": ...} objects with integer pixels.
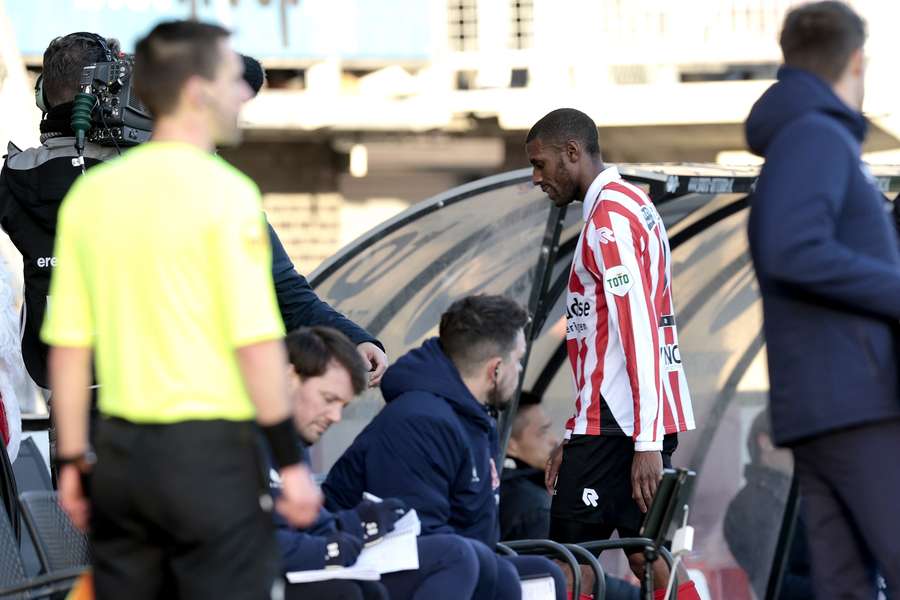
[{"x": 164, "y": 269}]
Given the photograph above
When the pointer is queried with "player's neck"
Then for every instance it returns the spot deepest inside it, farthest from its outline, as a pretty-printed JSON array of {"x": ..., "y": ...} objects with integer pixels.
[
  {"x": 592, "y": 169},
  {"x": 177, "y": 128}
]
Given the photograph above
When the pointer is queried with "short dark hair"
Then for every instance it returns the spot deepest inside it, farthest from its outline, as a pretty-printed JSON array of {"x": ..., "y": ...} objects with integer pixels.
[
  {"x": 820, "y": 37},
  {"x": 476, "y": 328},
  {"x": 526, "y": 400},
  {"x": 563, "y": 124},
  {"x": 64, "y": 60},
  {"x": 312, "y": 349},
  {"x": 172, "y": 53},
  {"x": 762, "y": 425}
]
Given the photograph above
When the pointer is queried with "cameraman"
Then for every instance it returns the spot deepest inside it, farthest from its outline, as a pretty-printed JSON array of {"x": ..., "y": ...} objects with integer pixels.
[{"x": 33, "y": 183}]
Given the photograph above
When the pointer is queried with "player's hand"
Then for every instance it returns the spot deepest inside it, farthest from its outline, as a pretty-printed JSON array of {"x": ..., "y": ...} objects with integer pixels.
[
  {"x": 376, "y": 360},
  {"x": 646, "y": 471},
  {"x": 72, "y": 497},
  {"x": 552, "y": 468},
  {"x": 300, "y": 498}
]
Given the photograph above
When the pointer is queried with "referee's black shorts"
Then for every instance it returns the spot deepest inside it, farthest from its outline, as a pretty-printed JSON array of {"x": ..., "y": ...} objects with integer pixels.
[
  {"x": 593, "y": 489},
  {"x": 177, "y": 512}
]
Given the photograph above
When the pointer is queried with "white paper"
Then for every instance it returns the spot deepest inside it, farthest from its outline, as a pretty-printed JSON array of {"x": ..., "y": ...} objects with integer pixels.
[
  {"x": 354, "y": 572},
  {"x": 396, "y": 551},
  {"x": 542, "y": 588}
]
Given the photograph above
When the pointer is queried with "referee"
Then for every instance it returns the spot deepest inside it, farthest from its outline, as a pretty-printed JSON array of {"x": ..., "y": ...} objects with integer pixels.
[{"x": 164, "y": 280}]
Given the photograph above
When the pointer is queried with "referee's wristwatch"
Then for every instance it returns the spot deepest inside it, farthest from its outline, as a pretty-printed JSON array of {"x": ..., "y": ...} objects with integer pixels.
[{"x": 84, "y": 462}]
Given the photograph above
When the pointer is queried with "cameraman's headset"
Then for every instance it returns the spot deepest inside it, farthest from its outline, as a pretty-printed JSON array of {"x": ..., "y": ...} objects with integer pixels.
[{"x": 40, "y": 99}]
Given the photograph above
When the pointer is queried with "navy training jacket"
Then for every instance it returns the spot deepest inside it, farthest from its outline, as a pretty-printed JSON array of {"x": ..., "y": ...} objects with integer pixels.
[
  {"x": 827, "y": 261},
  {"x": 433, "y": 446}
]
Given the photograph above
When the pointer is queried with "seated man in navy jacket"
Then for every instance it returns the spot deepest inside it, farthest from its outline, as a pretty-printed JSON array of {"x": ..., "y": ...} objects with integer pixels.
[
  {"x": 326, "y": 374},
  {"x": 435, "y": 443}
]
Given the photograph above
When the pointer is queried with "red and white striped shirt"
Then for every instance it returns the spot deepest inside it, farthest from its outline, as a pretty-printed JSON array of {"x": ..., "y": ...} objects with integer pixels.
[{"x": 620, "y": 334}]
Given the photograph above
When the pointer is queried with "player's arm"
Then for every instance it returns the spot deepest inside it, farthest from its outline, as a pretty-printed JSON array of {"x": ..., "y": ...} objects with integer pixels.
[{"x": 627, "y": 284}]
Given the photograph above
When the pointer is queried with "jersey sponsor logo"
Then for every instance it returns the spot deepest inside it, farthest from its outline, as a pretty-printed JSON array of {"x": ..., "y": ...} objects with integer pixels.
[
  {"x": 649, "y": 217},
  {"x": 475, "y": 477},
  {"x": 578, "y": 308},
  {"x": 606, "y": 235},
  {"x": 590, "y": 496},
  {"x": 46, "y": 261},
  {"x": 671, "y": 357},
  {"x": 618, "y": 280}
]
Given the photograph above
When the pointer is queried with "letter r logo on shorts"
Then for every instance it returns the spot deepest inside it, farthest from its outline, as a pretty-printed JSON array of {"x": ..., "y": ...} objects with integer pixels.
[{"x": 589, "y": 497}]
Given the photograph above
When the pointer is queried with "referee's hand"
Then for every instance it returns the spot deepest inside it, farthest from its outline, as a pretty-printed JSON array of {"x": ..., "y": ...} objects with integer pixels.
[
  {"x": 72, "y": 497},
  {"x": 300, "y": 498},
  {"x": 646, "y": 471}
]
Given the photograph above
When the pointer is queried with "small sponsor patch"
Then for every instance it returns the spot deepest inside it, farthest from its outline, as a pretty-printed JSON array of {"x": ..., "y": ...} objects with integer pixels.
[
  {"x": 649, "y": 217},
  {"x": 590, "y": 496},
  {"x": 618, "y": 280}
]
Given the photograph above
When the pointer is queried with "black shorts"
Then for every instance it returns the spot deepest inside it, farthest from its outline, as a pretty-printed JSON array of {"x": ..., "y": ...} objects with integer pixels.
[
  {"x": 177, "y": 512},
  {"x": 593, "y": 489}
]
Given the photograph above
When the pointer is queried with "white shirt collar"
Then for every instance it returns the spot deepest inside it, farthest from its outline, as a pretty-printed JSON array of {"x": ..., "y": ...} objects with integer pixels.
[{"x": 606, "y": 176}]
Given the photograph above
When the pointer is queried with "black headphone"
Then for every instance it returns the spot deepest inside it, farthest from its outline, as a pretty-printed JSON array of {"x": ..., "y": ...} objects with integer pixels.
[{"x": 40, "y": 99}]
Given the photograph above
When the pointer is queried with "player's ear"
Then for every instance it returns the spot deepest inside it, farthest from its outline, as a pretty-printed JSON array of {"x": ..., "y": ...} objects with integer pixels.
[{"x": 573, "y": 151}]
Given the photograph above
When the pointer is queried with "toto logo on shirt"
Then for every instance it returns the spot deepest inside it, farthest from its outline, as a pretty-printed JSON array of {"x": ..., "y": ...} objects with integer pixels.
[{"x": 618, "y": 280}]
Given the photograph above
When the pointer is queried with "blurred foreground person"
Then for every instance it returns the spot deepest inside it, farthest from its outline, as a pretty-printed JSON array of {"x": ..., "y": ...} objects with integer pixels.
[
  {"x": 164, "y": 280},
  {"x": 828, "y": 266}
]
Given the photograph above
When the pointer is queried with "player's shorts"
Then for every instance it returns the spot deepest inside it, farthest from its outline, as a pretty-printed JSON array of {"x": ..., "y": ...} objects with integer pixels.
[{"x": 593, "y": 489}]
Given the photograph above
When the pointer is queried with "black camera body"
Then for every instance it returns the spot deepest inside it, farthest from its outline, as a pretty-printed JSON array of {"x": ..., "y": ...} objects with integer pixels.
[{"x": 118, "y": 118}]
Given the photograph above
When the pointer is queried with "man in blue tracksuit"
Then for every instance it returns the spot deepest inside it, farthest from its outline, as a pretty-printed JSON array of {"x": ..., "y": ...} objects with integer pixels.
[
  {"x": 326, "y": 373},
  {"x": 435, "y": 444},
  {"x": 828, "y": 265}
]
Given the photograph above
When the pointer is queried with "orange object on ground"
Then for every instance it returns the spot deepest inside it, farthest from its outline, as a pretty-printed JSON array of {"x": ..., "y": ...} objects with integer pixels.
[{"x": 83, "y": 588}]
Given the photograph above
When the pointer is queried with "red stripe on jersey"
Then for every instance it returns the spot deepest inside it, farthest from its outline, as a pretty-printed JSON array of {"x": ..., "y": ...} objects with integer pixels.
[{"x": 601, "y": 314}]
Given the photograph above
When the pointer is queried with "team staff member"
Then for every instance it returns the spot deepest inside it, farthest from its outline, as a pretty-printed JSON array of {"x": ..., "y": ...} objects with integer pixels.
[
  {"x": 632, "y": 397},
  {"x": 827, "y": 261},
  {"x": 434, "y": 444},
  {"x": 325, "y": 375},
  {"x": 171, "y": 292}
]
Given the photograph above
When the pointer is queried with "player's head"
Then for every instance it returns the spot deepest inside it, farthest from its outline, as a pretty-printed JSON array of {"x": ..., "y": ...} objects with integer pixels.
[
  {"x": 484, "y": 338},
  {"x": 325, "y": 374},
  {"x": 826, "y": 39},
  {"x": 64, "y": 59},
  {"x": 562, "y": 148},
  {"x": 186, "y": 70},
  {"x": 532, "y": 439},
  {"x": 762, "y": 448}
]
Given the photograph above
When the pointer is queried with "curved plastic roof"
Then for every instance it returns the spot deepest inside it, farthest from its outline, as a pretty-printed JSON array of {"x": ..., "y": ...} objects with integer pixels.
[{"x": 501, "y": 235}]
